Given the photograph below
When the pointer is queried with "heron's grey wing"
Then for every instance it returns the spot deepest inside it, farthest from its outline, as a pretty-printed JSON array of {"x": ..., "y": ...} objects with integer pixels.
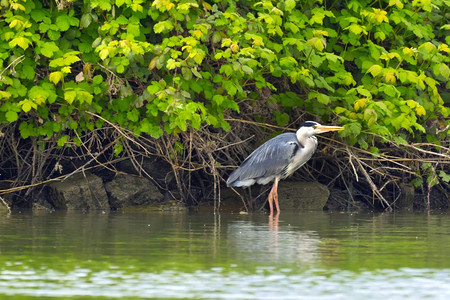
[{"x": 268, "y": 161}]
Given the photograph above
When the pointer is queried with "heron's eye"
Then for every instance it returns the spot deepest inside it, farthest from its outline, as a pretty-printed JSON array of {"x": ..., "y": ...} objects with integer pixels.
[{"x": 314, "y": 126}]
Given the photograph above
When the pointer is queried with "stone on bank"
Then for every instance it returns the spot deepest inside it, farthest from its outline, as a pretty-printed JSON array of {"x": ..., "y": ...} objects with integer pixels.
[
  {"x": 302, "y": 195},
  {"x": 88, "y": 192},
  {"x": 128, "y": 190},
  {"x": 82, "y": 191}
]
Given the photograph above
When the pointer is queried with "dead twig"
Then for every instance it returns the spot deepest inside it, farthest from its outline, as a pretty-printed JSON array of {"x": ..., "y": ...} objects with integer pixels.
[{"x": 8, "y": 208}]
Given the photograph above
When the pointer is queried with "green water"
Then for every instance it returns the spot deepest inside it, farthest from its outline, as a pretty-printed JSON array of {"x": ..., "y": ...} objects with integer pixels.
[{"x": 315, "y": 255}]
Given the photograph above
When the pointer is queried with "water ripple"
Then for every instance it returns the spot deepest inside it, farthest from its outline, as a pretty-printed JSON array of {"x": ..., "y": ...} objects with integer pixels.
[{"x": 216, "y": 283}]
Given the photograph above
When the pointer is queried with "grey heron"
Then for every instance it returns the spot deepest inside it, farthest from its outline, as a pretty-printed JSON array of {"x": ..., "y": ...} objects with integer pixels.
[{"x": 278, "y": 158}]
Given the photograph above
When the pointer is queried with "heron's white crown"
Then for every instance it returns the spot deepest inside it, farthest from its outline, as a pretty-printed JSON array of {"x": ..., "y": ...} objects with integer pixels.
[{"x": 311, "y": 128}]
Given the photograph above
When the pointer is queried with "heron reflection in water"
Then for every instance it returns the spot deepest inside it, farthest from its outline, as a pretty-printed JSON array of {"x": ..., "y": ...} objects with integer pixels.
[{"x": 278, "y": 158}]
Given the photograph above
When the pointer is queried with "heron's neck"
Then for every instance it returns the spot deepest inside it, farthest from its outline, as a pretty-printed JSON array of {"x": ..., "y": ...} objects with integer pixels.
[{"x": 306, "y": 140}]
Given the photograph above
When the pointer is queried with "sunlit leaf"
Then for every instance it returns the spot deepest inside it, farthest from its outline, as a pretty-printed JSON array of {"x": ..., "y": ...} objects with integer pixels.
[
  {"x": 11, "y": 116},
  {"x": 360, "y": 103},
  {"x": 56, "y": 77},
  {"x": 20, "y": 41},
  {"x": 389, "y": 77},
  {"x": 375, "y": 70},
  {"x": 69, "y": 96}
]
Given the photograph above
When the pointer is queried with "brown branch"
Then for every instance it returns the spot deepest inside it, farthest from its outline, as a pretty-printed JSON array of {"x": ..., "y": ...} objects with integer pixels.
[{"x": 8, "y": 208}]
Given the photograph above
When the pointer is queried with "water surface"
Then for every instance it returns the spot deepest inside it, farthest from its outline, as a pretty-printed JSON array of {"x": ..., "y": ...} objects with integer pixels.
[{"x": 314, "y": 255}]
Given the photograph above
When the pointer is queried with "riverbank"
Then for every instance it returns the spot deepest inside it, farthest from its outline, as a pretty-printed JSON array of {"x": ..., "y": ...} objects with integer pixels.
[{"x": 338, "y": 177}]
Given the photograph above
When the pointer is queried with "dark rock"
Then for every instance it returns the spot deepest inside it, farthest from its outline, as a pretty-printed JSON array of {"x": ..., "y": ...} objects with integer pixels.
[
  {"x": 79, "y": 192},
  {"x": 129, "y": 190},
  {"x": 158, "y": 169},
  {"x": 302, "y": 195}
]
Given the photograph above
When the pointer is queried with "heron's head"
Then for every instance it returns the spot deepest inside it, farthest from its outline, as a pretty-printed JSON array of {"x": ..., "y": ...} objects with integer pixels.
[{"x": 310, "y": 128}]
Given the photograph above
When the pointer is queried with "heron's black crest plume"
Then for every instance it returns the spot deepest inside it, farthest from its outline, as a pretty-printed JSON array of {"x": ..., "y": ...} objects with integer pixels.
[{"x": 309, "y": 124}]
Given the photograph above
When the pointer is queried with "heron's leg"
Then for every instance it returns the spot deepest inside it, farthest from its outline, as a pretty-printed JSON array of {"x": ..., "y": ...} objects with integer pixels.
[
  {"x": 270, "y": 199},
  {"x": 273, "y": 196},
  {"x": 275, "y": 193}
]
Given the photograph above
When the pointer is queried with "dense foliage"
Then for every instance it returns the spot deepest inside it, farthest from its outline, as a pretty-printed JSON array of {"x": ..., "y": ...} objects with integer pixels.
[{"x": 161, "y": 67}]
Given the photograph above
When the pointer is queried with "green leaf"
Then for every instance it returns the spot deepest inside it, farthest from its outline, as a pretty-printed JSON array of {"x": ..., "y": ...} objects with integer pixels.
[
  {"x": 247, "y": 69},
  {"x": 363, "y": 144},
  {"x": 73, "y": 125},
  {"x": 196, "y": 86},
  {"x": 120, "y": 69},
  {"x": 370, "y": 116},
  {"x": 39, "y": 93},
  {"x": 69, "y": 96},
  {"x": 134, "y": 29},
  {"x": 28, "y": 72},
  {"x": 187, "y": 73},
  {"x": 62, "y": 140},
  {"x": 281, "y": 118},
  {"x": 322, "y": 98},
  {"x": 64, "y": 22},
  {"x": 103, "y": 4},
  {"x": 390, "y": 90},
  {"x": 379, "y": 35},
  {"x": 86, "y": 20},
  {"x": 104, "y": 53},
  {"x": 56, "y": 77},
  {"x": 289, "y": 5},
  {"x": 355, "y": 128},
  {"x": 227, "y": 69},
  {"x": 133, "y": 115},
  {"x": 97, "y": 79},
  {"x": 27, "y": 105},
  {"x": 339, "y": 110},
  {"x": 11, "y": 116},
  {"x": 230, "y": 87},
  {"x": 4, "y": 95},
  {"x": 20, "y": 41},
  {"x": 356, "y": 29},
  {"x": 119, "y": 3},
  {"x": 54, "y": 35},
  {"x": 163, "y": 26},
  {"x": 70, "y": 59},
  {"x": 417, "y": 182},
  {"x": 84, "y": 96},
  {"x": 427, "y": 48},
  {"x": 38, "y": 14},
  {"x": 153, "y": 88},
  {"x": 218, "y": 99},
  {"x": 288, "y": 61},
  {"x": 197, "y": 73},
  {"x": 171, "y": 64},
  {"x": 400, "y": 140},
  {"x": 441, "y": 69},
  {"x": 445, "y": 177},
  {"x": 375, "y": 70},
  {"x": 118, "y": 148},
  {"x": 374, "y": 150},
  {"x": 317, "y": 43},
  {"x": 56, "y": 127},
  {"x": 27, "y": 130}
]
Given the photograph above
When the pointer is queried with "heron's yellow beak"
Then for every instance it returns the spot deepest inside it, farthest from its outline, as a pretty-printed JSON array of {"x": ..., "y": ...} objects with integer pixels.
[{"x": 329, "y": 128}]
